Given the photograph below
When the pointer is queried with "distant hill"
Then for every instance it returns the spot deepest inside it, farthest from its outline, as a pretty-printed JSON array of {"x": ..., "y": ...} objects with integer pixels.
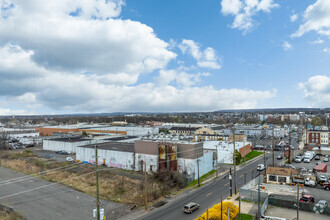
[{"x": 276, "y": 110}]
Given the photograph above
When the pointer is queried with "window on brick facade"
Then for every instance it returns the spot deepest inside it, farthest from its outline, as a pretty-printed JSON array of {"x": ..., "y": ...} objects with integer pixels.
[{"x": 312, "y": 135}]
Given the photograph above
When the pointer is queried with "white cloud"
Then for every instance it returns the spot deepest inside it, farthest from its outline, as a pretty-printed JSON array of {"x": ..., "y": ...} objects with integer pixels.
[
  {"x": 8, "y": 111},
  {"x": 317, "y": 90},
  {"x": 81, "y": 43},
  {"x": 294, "y": 17},
  {"x": 244, "y": 10},
  {"x": 326, "y": 50},
  {"x": 318, "y": 41},
  {"x": 317, "y": 18},
  {"x": 206, "y": 58},
  {"x": 286, "y": 45},
  {"x": 66, "y": 91},
  {"x": 181, "y": 78},
  {"x": 231, "y": 7}
]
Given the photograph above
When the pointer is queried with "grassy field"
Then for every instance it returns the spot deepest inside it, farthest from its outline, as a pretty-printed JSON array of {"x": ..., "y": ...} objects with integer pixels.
[
  {"x": 245, "y": 217},
  {"x": 250, "y": 156}
]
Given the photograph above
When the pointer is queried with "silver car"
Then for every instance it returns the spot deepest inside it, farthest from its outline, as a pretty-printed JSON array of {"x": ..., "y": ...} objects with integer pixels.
[{"x": 190, "y": 207}]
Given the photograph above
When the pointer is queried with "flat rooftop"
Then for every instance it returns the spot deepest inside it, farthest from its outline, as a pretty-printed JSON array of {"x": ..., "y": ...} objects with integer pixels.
[
  {"x": 116, "y": 146},
  {"x": 70, "y": 139}
]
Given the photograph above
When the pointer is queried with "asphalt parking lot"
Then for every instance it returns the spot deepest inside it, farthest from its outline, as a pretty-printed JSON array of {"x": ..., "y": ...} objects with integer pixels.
[
  {"x": 310, "y": 165},
  {"x": 41, "y": 200}
]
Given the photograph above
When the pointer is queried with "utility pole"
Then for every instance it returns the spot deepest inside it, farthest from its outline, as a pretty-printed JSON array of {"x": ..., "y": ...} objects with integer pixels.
[
  {"x": 207, "y": 213},
  {"x": 297, "y": 201},
  {"x": 273, "y": 147},
  {"x": 221, "y": 207},
  {"x": 258, "y": 215},
  {"x": 217, "y": 160},
  {"x": 146, "y": 186},
  {"x": 230, "y": 183},
  {"x": 239, "y": 206},
  {"x": 234, "y": 160},
  {"x": 97, "y": 184},
  {"x": 289, "y": 159},
  {"x": 198, "y": 171},
  {"x": 265, "y": 151}
]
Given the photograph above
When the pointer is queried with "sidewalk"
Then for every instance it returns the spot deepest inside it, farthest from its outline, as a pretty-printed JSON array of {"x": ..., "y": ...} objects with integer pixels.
[{"x": 250, "y": 208}]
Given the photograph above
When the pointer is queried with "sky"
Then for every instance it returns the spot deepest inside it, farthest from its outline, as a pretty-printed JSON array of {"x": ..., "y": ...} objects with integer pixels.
[{"x": 96, "y": 56}]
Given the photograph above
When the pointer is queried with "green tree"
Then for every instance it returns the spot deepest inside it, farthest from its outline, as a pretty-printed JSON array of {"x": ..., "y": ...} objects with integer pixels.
[
  {"x": 238, "y": 156},
  {"x": 317, "y": 121}
]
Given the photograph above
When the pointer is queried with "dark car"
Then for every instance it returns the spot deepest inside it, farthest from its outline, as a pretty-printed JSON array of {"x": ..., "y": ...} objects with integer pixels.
[
  {"x": 317, "y": 157},
  {"x": 279, "y": 157},
  {"x": 307, "y": 199}
]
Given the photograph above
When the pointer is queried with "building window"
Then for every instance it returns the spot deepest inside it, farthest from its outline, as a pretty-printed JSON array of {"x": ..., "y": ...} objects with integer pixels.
[
  {"x": 272, "y": 178},
  {"x": 312, "y": 135},
  {"x": 317, "y": 135},
  {"x": 281, "y": 179}
]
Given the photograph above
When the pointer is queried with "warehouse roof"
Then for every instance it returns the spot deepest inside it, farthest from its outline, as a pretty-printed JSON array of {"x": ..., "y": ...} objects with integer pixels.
[
  {"x": 115, "y": 146},
  {"x": 71, "y": 139},
  {"x": 183, "y": 129}
]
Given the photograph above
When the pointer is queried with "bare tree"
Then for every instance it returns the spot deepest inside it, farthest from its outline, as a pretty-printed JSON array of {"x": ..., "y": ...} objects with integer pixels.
[{"x": 3, "y": 142}]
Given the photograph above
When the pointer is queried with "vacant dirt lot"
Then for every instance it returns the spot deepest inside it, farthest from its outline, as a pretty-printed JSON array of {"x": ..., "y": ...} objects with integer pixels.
[{"x": 114, "y": 184}]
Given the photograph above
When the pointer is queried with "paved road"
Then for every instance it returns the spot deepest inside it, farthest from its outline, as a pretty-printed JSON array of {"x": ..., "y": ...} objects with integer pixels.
[
  {"x": 52, "y": 202},
  {"x": 210, "y": 194},
  {"x": 206, "y": 196}
]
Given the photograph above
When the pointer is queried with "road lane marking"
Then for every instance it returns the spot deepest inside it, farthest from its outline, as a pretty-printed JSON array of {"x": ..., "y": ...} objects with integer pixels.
[
  {"x": 226, "y": 184},
  {"x": 209, "y": 194}
]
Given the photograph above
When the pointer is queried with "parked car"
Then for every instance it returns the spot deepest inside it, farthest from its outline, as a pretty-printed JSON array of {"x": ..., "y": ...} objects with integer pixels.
[
  {"x": 322, "y": 204},
  {"x": 322, "y": 179},
  {"x": 317, "y": 157},
  {"x": 326, "y": 159},
  {"x": 326, "y": 186},
  {"x": 279, "y": 157},
  {"x": 318, "y": 162},
  {"x": 190, "y": 207},
  {"x": 260, "y": 167},
  {"x": 63, "y": 152},
  {"x": 69, "y": 159},
  {"x": 307, "y": 160},
  {"x": 307, "y": 198}
]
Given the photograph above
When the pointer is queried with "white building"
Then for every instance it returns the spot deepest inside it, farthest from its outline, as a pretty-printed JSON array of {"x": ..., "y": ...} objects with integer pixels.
[
  {"x": 111, "y": 154},
  {"x": 226, "y": 149},
  {"x": 68, "y": 144}
]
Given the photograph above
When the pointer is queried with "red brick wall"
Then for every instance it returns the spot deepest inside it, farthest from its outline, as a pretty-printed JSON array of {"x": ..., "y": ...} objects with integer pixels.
[
  {"x": 245, "y": 150},
  {"x": 314, "y": 138}
]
